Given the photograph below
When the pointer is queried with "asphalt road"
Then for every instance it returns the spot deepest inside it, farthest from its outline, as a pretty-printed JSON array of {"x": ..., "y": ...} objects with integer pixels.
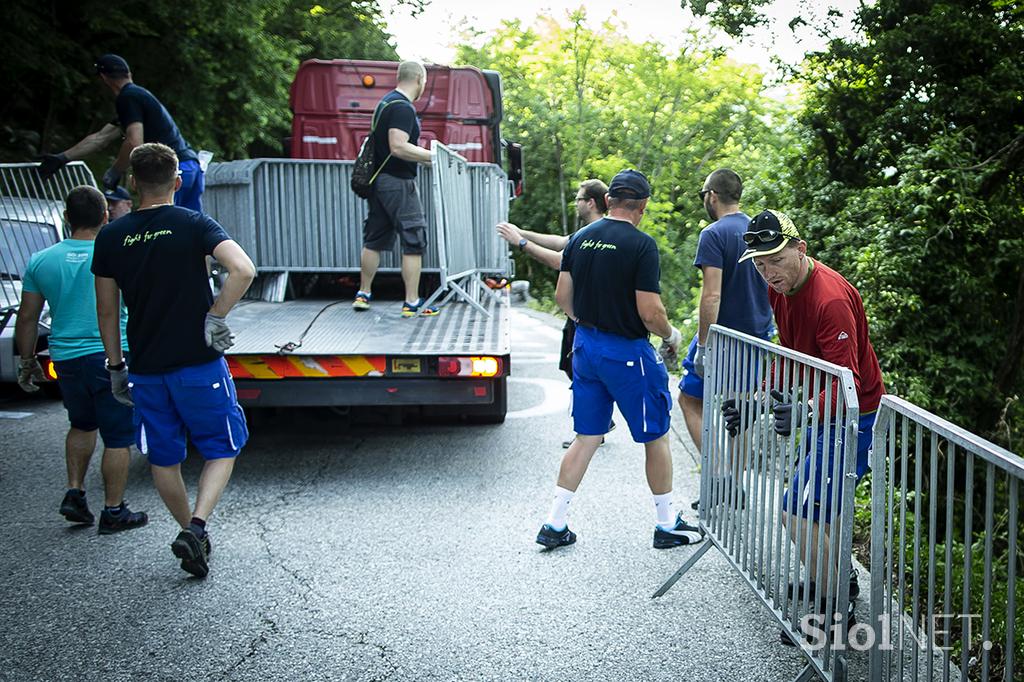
[{"x": 359, "y": 550}]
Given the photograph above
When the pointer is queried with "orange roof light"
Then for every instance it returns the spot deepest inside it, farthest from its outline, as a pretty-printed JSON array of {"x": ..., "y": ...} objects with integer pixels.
[{"x": 369, "y": 81}]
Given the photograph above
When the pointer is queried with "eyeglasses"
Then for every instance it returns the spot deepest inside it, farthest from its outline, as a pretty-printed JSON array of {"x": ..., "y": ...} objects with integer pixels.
[
  {"x": 761, "y": 237},
  {"x": 703, "y": 193},
  {"x": 582, "y": 198}
]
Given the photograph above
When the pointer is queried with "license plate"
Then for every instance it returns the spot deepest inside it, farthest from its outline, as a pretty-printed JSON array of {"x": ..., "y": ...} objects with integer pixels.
[{"x": 406, "y": 366}]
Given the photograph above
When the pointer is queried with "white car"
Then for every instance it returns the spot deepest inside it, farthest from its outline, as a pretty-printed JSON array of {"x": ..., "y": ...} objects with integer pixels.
[{"x": 26, "y": 226}]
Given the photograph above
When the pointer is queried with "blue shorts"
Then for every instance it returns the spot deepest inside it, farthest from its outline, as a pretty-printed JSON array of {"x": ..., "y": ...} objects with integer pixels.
[
  {"x": 607, "y": 369},
  {"x": 193, "y": 182},
  {"x": 806, "y": 498},
  {"x": 693, "y": 385},
  {"x": 85, "y": 385},
  {"x": 199, "y": 400}
]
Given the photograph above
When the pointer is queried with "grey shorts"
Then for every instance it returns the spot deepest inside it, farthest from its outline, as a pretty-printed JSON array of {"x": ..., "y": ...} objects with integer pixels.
[{"x": 395, "y": 207}]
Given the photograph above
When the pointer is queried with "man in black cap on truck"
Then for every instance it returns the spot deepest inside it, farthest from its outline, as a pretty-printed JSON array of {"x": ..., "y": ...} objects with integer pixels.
[{"x": 140, "y": 118}]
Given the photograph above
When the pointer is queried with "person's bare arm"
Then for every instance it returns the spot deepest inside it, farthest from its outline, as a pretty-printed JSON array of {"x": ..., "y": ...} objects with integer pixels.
[
  {"x": 563, "y": 293},
  {"x": 398, "y": 143},
  {"x": 26, "y": 328},
  {"x": 546, "y": 255},
  {"x": 133, "y": 137},
  {"x": 710, "y": 300},
  {"x": 108, "y": 313},
  {"x": 94, "y": 142},
  {"x": 553, "y": 242},
  {"x": 652, "y": 313},
  {"x": 241, "y": 272}
]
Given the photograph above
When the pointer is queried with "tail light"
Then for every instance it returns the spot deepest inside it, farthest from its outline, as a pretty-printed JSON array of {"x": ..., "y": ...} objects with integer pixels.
[
  {"x": 51, "y": 370},
  {"x": 480, "y": 366}
]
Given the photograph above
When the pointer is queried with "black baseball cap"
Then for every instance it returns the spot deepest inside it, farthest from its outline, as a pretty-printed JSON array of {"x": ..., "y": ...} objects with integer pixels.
[
  {"x": 112, "y": 65},
  {"x": 629, "y": 184},
  {"x": 117, "y": 194},
  {"x": 768, "y": 233}
]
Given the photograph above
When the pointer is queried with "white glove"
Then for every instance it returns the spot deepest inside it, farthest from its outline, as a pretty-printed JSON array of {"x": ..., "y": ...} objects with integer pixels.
[
  {"x": 218, "y": 334},
  {"x": 698, "y": 360},
  {"x": 119, "y": 385},
  {"x": 29, "y": 372},
  {"x": 673, "y": 340}
]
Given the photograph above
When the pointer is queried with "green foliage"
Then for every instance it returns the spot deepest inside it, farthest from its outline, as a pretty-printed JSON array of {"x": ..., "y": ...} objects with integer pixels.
[
  {"x": 588, "y": 103},
  {"x": 222, "y": 71}
]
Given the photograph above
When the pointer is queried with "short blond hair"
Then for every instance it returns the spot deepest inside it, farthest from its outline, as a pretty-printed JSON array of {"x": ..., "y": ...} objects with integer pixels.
[{"x": 409, "y": 71}]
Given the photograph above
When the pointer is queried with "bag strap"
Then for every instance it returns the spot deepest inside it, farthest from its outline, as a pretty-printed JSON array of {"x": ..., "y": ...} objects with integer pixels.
[{"x": 373, "y": 128}]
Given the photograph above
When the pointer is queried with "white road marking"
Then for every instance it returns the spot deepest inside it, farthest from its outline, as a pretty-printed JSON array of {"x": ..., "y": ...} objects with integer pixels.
[
  {"x": 15, "y": 415},
  {"x": 556, "y": 398}
]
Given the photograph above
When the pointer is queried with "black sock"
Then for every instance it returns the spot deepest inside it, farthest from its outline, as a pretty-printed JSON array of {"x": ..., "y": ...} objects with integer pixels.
[
  {"x": 197, "y": 526},
  {"x": 77, "y": 491}
]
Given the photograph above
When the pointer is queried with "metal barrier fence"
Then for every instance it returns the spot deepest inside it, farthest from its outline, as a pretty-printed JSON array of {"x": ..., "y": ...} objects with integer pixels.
[
  {"x": 757, "y": 488},
  {"x": 298, "y": 215},
  {"x": 31, "y": 218},
  {"x": 925, "y": 474}
]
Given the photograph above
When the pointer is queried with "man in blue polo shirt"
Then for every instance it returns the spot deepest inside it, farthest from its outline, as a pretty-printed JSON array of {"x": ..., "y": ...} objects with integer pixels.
[
  {"x": 140, "y": 118},
  {"x": 60, "y": 276},
  {"x": 732, "y": 294},
  {"x": 179, "y": 381},
  {"x": 609, "y": 284}
]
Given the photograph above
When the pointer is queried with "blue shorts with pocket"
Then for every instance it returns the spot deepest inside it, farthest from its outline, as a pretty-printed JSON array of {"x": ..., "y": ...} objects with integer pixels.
[
  {"x": 610, "y": 369},
  {"x": 197, "y": 401},
  {"x": 193, "y": 182},
  {"x": 85, "y": 386},
  {"x": 813, "y": 500}
]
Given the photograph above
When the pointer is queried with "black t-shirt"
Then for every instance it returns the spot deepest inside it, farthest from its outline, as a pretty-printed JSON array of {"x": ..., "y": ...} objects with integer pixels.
[
  {"x": 136, "y": 104},
  {"x": 157, "y": 258},
  {"x": 610, "y": 260},
  {"x": 399, "y": 113}
]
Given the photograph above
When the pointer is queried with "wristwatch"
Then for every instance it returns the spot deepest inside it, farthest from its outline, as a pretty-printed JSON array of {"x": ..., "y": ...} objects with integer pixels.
[
  {"x": 522, "y": 244},
  {"x": 114, "y": 368}
]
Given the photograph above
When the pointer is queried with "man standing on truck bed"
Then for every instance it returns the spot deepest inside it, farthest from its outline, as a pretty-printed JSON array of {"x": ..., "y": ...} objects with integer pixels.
[
  {"x": 179, "y": 381},
  {"x": 609, "y": 284},
  {"x": 140, "y": 118},
  {"x": 60, "y": 276},
  {"x": 394, "y": 202}
]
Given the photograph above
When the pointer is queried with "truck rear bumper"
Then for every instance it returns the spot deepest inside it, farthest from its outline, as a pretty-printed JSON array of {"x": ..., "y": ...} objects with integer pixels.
[{"x": 366, "y": 391}]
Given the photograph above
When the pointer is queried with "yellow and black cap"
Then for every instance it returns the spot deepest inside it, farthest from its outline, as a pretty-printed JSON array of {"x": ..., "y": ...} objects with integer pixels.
[{"x": 768, "y": 233}]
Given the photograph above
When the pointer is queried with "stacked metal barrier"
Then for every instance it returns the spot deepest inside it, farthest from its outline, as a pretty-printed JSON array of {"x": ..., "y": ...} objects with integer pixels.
[
  {"x": 925, "y": 476},
  {"x": 744, "y": 480},
  {"x": 28, "y": 207}
]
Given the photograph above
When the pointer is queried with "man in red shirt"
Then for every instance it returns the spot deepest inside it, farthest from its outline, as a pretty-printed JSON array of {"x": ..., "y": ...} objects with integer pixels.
[{"x": 820, "y": 314}]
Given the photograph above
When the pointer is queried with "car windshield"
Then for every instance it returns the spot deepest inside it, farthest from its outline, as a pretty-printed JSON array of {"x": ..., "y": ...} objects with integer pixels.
[{"x": 18, "y": 241}]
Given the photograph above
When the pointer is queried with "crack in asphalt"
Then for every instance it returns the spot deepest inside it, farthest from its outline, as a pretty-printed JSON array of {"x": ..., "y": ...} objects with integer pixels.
[{"x": 254, "y": 644}]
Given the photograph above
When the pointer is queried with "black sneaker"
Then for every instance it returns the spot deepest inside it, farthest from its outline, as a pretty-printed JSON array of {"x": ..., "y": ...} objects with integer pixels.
[
  {"x": 193, "y": 552},
  {"x": 551, "y": 538},
  {"x": 681, "y": 533},
  {"x": 796, "y": 591},
  {"x": 75, "y": 509},
  {"x": 126, "y": 520},
  {"x": 786, "y": 639}
]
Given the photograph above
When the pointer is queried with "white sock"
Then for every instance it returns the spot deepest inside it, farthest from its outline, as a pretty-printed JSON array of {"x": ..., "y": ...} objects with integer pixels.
[
  {"x": 560, "y": 508},
  {"x": 664, "y": 510}
]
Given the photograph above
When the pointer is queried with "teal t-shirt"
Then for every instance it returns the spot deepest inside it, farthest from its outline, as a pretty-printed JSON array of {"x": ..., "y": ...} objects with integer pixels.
[{"x": 62, "y": 274}]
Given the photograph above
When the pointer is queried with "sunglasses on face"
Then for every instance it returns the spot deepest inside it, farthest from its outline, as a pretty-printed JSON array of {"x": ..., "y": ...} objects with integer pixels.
[
  {"x": 761, "y": 237},
  {"x": 703, "y": 193}
]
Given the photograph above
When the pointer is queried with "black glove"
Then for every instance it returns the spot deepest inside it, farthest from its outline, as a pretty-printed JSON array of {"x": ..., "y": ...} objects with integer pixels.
[
  {"x": 782, "y": 411},
  {"x": 731, "y": 412},
  {"x": 112, "y": 178},
  {"x": 50, "y": 164}
]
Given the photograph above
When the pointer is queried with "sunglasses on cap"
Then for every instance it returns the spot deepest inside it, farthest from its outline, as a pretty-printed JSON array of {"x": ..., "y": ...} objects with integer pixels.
[{"x": 760, "y": 237}]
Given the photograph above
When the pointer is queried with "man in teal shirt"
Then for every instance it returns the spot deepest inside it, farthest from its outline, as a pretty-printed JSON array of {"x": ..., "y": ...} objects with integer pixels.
[{"x": 61, "y": 275}]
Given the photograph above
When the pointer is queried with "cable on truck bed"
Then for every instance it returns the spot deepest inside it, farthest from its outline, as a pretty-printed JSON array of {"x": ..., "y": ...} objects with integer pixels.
[{"x": 292, "y": 346}]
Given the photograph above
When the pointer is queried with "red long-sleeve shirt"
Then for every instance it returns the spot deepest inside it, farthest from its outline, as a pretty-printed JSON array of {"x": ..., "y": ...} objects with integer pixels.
[{"x": 825, "y": 319}]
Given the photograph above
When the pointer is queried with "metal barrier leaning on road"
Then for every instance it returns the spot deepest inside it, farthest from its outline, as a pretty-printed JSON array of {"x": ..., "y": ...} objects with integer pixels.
[
  {"x": 925, "y": 475},
  {"x": 26, "y": 201},
  {"x": 798, "y": 570}
]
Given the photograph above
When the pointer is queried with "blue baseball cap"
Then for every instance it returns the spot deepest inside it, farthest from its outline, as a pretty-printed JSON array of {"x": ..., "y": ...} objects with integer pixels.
[
  {"x": 112, "y": 64},
  {"x": 117, "y": 194},
  {"x": 629, "y": 184}
]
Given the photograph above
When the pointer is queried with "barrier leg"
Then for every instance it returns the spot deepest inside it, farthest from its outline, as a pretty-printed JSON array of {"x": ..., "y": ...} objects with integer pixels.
[
  {"x": 683, "y": 569},
  {"x": 806, "y": 675}
]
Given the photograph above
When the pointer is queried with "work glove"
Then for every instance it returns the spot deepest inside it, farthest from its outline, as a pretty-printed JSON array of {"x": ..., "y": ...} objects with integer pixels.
[
  {"x": 50, "y": 164},
  {"x": 698, "y": 360},
  {"x": 218, "y": 334},
  {"x": 669, "y": 349},
  {"x": 119, "y": 386},
  {"x": 674, "y": 340},
  {"x": 112, "y": 178},
  {"x": 734, "y": 423},
  {"x": 786, "y": 419},
  {"x": 29, "y": 372}
]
